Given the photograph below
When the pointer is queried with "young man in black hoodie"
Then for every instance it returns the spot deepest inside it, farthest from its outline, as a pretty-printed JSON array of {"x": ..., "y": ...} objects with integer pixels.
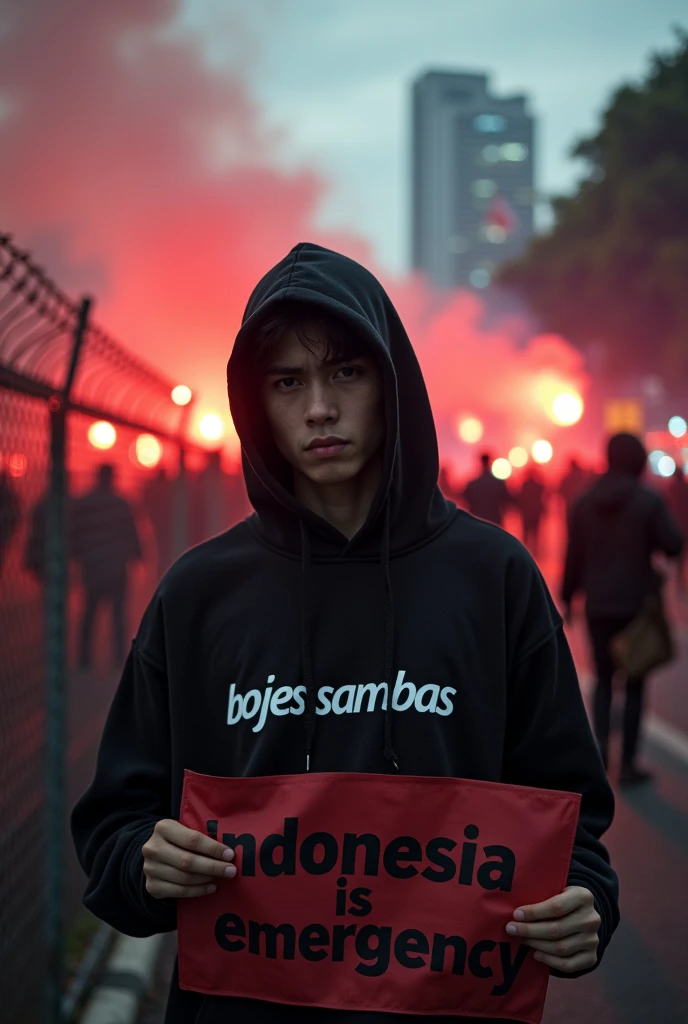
[{"x": 352, "y": 566}]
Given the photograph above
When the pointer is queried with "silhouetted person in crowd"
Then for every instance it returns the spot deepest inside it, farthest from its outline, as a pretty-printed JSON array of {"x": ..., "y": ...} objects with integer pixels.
[
  {"x": 35, "y": 548},
  {"x": 531, "y": 505},
  {"x": 486, "y": 496},
  {"x": 573, "y": 484},
  {"x": 616, "y": 528},
  {"x": 105, "y": 542},
  {"x": 678, "y": 503},
  {"x": 9, "y": 516},
  {"x": 158, "y": 504}
]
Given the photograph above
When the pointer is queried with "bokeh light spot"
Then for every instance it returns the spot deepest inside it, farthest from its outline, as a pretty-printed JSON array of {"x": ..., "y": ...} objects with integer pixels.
[
  {"x": 181, "y": 395},
  {"x": 677, "y": 426},
  {"x": 102, "y": 435},
  {"x": 666, "y": 466},
  {"x": 518, "y": 457},
  {"x": 567, "y": 408},
  {"x": 501, "y": 468},
  {"x": 147, "y": 450},
  {"x": 542, "y": 451},
  {"x": 211, "y": 427},
  {"x": 470, "y": 429}
]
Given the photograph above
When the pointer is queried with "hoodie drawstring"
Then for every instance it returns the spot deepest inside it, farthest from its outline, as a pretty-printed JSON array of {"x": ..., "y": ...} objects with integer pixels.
[
  {"x": 306, "y": 666},
  {"x": 390, "y": 753},
  {"x": 306, "y": 662}
]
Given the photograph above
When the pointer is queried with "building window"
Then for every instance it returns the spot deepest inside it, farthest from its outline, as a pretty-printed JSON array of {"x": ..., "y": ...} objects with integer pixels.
[
  {"x": 491, "y": 154},
  {"x": 483, "y": 188},
  {"x": 489, "y": 123},
  {"x": 458, "y": 244},
  {"x": 479, "y": 277},
  {"x": 513, "y": 151}
]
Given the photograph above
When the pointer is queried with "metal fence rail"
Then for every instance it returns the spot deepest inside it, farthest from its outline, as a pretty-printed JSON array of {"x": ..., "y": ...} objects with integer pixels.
[{"x": 85, "y": 533}]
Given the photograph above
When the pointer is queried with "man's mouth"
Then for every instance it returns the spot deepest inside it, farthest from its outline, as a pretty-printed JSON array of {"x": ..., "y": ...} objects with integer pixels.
[{"x": 326, "y": 447}]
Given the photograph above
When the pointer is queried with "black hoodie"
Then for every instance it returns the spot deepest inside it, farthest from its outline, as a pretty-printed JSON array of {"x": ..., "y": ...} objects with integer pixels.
[
  {"x": 423, "y": 593},
  {"x": 614, "y": 530}
]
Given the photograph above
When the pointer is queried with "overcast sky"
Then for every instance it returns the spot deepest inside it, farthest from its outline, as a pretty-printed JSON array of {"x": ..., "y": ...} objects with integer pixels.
[{"x": 334, "y": 77}]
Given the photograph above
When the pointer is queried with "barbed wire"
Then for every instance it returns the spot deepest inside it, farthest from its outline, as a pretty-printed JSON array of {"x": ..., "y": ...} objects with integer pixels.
[{"x": 37, "y": 325}]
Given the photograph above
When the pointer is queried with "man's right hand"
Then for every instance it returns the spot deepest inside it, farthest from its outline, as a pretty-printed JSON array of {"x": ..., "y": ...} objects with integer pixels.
[{"x": 179, "y": 862}]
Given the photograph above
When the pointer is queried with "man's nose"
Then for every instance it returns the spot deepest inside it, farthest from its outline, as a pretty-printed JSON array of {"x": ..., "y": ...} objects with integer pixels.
[{"x": 321, "y": 407}]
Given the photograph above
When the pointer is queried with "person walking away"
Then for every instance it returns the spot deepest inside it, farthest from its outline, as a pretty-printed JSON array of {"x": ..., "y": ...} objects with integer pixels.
[
  {"x": 9, "y": 516},
  {"x": 616, "y": 528},
  {"x": 353, "y": 569},
  {"x": 487, "y": 497},
  {"x": 678, "y": 503},
  {"x": 105, "y": 542},
  {"x": 531, "y": 505}
]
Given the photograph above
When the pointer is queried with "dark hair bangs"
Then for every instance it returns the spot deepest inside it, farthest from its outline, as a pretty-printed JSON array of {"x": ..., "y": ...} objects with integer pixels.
[{"x": 311, "y": 326}]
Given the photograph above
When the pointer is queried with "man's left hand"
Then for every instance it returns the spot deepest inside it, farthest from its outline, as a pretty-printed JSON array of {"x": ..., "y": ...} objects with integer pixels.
[{"x": 563, "y": 929}]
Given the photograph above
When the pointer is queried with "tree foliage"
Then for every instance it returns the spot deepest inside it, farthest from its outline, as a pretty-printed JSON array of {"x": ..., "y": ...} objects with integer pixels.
[{"x": 614, "y": 268}]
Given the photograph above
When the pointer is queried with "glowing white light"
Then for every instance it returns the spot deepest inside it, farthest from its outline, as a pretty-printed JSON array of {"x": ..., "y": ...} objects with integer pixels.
[
  {"x": 470, "y": 429},
  {"x": 654, "y": 459},
  {"x": 677, "y": 426},
  {"x": 501, "y": 468},
  {"x": 181, "y": 395},
  {"x": 148, "y": 450},
  {"x": 542, "y": 451},
  {"x": 515, "y": 151},
  {"x": 567, "y": 408},
  {"x": 518, "y": 457},
  {"x": 666, "y": 466},
  {"x": 211, "y": 427},
  {"x": 102, "y": 435}
]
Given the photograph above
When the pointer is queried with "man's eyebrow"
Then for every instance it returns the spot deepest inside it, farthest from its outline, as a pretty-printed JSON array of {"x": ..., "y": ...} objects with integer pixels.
[{"x": 283, "y": 370}]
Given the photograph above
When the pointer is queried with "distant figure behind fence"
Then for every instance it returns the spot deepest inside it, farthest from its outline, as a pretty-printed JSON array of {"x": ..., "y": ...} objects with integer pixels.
[{"x": 105, "y": 542}]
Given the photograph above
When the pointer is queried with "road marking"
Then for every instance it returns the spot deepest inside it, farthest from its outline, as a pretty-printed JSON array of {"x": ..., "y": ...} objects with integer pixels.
[{"x": 673, "y": 740}]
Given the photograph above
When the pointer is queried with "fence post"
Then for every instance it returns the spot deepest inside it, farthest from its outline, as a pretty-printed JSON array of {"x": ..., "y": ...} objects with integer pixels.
[{"x": 57, "y": 560}]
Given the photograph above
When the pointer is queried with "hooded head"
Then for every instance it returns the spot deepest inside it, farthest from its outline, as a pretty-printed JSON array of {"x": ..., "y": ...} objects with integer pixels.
[
  {"x": 341, "y": 292},
  {"x": 626, "y": 454}
]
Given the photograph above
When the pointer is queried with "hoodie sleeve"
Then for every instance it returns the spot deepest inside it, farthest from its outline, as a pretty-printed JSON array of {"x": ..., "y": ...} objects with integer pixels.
[
  {"x": 549, "y": 744},
  {"x": 129, "y": 794}
]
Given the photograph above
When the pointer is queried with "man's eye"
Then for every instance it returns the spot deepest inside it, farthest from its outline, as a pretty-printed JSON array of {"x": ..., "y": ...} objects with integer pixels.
[
  {"x": 287, "y": 383},
  {"x": 348, "y": 371}
]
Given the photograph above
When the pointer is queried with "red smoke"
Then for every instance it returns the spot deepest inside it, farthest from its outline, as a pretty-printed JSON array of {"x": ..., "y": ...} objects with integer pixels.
[{"x": 134, "y": 169}]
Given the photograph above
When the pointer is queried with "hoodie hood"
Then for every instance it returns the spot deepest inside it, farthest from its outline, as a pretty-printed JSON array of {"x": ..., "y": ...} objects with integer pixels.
[
  {"x": 407, "y": 493},
  {"x": 613, "y": 492}
]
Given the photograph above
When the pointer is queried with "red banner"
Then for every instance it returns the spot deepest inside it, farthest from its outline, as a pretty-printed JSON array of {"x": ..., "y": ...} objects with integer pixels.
[{"x": 374, "y": 892}]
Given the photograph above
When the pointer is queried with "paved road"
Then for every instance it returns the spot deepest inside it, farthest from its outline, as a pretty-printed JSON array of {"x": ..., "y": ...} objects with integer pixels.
[{"x": 644, "y": 976}]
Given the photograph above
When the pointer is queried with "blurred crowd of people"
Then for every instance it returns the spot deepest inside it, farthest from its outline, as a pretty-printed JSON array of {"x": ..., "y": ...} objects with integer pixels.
[
  {"x": 620, "y": 537},
  {"x": 107, "y": 534}
]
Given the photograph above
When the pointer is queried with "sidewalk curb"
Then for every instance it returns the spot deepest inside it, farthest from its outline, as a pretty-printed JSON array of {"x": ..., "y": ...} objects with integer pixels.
[{"x": 126, "y": 980}]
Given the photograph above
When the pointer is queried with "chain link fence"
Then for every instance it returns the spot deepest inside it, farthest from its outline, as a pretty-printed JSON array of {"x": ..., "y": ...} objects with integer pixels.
[{"x": 99, "y": 492}]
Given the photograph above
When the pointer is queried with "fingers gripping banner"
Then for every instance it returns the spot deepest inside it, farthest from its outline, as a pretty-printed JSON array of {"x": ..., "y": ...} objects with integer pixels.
[{"x": 374, "y": 892}]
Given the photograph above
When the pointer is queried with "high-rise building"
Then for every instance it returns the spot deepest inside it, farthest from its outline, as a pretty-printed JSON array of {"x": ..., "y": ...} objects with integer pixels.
[{"x": 472, "y": 178}]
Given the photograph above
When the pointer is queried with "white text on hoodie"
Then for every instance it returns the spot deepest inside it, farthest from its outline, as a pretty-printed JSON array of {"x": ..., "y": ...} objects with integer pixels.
[{"x": 346, "y": 700}]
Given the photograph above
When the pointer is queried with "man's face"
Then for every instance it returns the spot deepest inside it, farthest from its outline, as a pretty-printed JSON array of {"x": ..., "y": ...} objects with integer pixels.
[{"x": 327, "y": 420}]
